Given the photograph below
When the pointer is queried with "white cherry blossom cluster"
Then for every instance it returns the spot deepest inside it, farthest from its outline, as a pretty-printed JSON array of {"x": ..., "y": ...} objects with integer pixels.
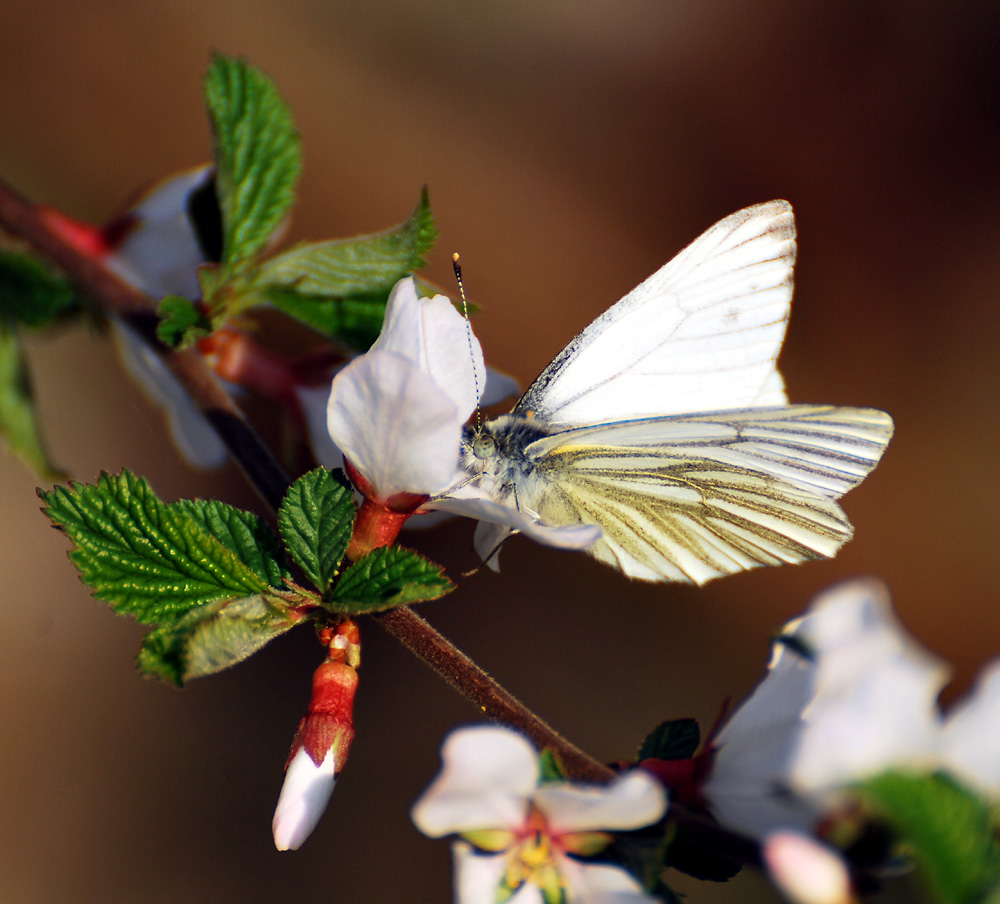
[{"x": 848, "y": 695}]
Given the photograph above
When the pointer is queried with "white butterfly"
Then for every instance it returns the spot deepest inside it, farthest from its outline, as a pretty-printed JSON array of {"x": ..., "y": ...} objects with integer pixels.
[{"x": 665, "y": 423}]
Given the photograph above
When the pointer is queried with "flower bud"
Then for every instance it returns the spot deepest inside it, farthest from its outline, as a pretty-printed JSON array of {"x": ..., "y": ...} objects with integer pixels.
[
  {"x": 318, "y": 753},
  {"x": 805, "y": 871}
]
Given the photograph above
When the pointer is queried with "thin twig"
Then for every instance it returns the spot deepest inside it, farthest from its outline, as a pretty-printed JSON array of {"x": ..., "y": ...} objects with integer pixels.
[
  {"x": 465, "y": 676},
  {"x": 112, "y": 294}
]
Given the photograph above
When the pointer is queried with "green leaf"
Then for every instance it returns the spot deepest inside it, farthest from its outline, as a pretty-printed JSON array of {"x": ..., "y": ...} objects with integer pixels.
[
  {"x": 946, "y": 828},
  {"x": 18, "y": 424},
  {"x": 674, "y": 740},
  {"x": 31, "y": 294},
  {"x": 144, "y": 558},
  {"x": 387, "y": 577},
  {"x": 315, "y": 520},
  {"x": 361, "y": 266},
  {"x": 241, "y": 532},
  {"x": 551, "y": 766},
  {"x": 211, "y": 638},
  {"x": 354, "y": 321},
  {"x": 257, "y": 156},
  {"x": 181, "y": 323}
]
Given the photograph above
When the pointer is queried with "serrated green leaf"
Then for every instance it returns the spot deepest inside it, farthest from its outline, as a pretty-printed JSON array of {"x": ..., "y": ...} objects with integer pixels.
[
  {"x": 18, "y": 423},
  {"x": 353, "y": 321},
  {"x": 211, "y": 638},
  {"x": 361, "y": 266},
  {"x": 143, "y": 558},
  {"x": 181, "y": 323},
  {"x": 677, "y": 739},
  {"x": 315, "y": 520},
  {"x": 387, "y": 577},
  {"x": 257, "y": 155},
  {"x": 946, "y": 828},
  {"x": 31, "y": 294},
  {"x": 241, "y": 532}
]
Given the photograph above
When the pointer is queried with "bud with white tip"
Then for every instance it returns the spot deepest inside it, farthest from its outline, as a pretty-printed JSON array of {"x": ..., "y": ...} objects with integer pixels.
[{"x": 321, "y": 744}]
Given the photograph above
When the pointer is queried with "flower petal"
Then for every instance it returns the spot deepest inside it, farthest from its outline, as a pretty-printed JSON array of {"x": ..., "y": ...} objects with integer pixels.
[
  {"x": 470, "y": 503},
  {"x": 875, "y": 702},
  {"x": 631, "y": 801},
  {"x": 477, "y": 877},
  {"x": 432, "y": 334},
  {"x": 488, "y": 774},
  {"x": 161, "y": 254},
  {"x": 398, "y": 428},
  {"x": 303, "y": 798},
  {"x": 805, "y": 871},
  {"x": 970, "y": 744},
  {"x": 190, "y": 432},
  {"x": 746, "y": 789},
  {"x": 593, "y": 883},
  {"x": 313, "y": 402},
  {"x": 499, "y": 386}
]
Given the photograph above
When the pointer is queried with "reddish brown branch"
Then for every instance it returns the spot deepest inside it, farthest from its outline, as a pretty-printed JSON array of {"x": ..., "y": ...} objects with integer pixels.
[
  {"x": 465, "y": 676},
  {"x": 110, "y": 293}
]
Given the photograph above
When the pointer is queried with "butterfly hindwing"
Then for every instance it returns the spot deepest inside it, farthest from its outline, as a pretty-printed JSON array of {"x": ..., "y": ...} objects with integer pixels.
[{"x": 695, "y": 497}]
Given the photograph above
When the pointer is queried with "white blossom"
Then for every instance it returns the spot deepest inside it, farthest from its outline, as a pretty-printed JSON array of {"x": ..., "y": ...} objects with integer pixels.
[
  {"x": 527, "y": 837},
  {"x": 397, "y": 414},
  {"x": 848, "y": 695}
]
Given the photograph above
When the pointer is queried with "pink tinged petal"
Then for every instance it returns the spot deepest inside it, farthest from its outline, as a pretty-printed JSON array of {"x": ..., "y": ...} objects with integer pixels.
[
  {"x": 433, "y": 335},
  {"x": 487, "y": 777},
  {"x": 396, "y": 426},
  {"x": 631, "y": 801},
  {"x": 591, "y": 883},
  {"x": 806, "y": 872},
  {"x": 190, "y": 432},
  {"x": 478, "y": 876},
  {"x": 970, "y": 743},
  {"x": 303, "y": 798}
]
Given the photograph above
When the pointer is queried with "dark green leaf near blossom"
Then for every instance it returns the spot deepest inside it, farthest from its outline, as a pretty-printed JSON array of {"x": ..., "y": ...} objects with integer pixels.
[
  {"x": 387, "y": 577},
  {"x": 315, "y": 521}
]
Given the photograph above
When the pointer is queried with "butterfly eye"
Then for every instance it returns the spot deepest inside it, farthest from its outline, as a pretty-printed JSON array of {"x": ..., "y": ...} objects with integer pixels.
[{"x": 484, "y": 447}]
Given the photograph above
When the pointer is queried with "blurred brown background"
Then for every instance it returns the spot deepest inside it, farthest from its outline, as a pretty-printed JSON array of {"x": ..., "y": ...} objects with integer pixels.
[{"x": 570, "y": 148}]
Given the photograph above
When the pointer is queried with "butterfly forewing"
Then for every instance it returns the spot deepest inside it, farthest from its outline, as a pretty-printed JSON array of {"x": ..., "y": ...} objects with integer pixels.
[{"x": 702, "y": 332}]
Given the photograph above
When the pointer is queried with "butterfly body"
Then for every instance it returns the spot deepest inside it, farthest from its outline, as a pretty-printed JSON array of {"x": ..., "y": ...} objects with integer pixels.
[{"x": 666, "y": 424}]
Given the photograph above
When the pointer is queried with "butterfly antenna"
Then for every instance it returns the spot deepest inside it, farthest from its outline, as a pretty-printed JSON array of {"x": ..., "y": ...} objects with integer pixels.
[{"x": 456, "y": 265}]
